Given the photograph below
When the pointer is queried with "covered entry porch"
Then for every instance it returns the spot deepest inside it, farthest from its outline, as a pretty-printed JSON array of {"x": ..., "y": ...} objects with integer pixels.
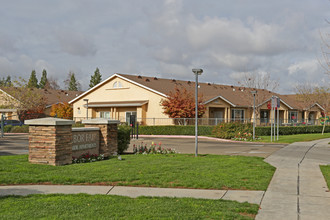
[{"x": 121, "y": 111}]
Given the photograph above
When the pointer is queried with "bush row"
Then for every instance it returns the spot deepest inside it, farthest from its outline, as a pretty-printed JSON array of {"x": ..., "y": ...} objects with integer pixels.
[
  {"x": 16, "y": 129},
  {"x": 228, "y": 130},
  {"x": 289, "y": 130},
  {"x": 174, "y": 130}
]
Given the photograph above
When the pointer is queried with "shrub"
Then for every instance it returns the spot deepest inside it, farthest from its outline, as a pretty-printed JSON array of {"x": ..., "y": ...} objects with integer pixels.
[
  {"x": 123, "y": 138},
  {"x": 175, "y": 130},
  {"x": 78, "y": 124},
  {"x": 86, "y": 157},
  {"x": 153, "y": 149},
  {"x": 7, "y": 128},
  {"x": 20, "y": 129},
  {"x": 233, "y": 131}
]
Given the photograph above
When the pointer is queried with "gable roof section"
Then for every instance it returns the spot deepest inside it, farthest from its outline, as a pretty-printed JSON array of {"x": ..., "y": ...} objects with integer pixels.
[
  {"x": 121, "y": 76},
  {"x": 211, "y": 100},
  {"x": 281, "y": 100}
]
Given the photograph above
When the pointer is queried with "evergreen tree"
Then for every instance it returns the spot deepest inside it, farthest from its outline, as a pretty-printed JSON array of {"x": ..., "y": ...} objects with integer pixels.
[
  {"x": 71, "y": 82},
  {"x": 43, "y": 80},
  {"x": 96, "y": 78},
  {"x": 8, "y": 81},
  {"x": 33, "y": 81}
]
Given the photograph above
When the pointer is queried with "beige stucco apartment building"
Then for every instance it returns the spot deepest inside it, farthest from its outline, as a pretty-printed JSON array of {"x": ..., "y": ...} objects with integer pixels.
[{"x": 122, "y": 95}]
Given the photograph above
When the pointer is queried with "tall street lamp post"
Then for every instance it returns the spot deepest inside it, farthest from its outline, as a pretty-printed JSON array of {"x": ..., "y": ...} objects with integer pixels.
[
  {"x": 197, "y": 72},
  {"x": 86, "y": 100},
  {"x": 254, "y": 92}
]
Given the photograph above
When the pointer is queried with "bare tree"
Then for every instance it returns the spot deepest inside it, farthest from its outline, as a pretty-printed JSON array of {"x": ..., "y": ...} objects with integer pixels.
[
  {"x": 258, "y": 81},
  {"x": 309, "y": 95},
  {"x": 52, "y": 84},
  {"x": 261, "y": 82}
]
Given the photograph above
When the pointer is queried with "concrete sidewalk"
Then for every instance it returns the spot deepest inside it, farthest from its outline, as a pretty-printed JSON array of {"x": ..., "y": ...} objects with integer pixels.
[
  {"x": 133, "y": 192},
  {"x": 298, "y": 189}
]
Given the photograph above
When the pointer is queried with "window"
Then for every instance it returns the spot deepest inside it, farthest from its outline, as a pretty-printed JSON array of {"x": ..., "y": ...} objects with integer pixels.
[
  {"x": 293, "y": 116},
  {"x": 117, "y": 84},
  {"x": 237, "y": 114},
  {"x": 104, "y": 114}
]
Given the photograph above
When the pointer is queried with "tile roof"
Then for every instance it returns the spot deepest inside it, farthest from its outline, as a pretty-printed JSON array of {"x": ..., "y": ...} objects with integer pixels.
[
  {"x": 237, "y": 95},
  {"x": 51, "y": 96}
]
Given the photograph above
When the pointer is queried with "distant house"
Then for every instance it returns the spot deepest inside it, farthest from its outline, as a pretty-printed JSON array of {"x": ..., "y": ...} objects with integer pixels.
[
  {"x": 122, "y": 95},
  {"x": 9, "y": 100}
]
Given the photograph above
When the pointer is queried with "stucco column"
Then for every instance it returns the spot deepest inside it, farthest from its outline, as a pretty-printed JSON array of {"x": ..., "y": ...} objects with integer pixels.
[
  {"x": 226, "y": 115},
  {"x": 229, "y": 114},
  {"x": 306, "y": 116},
  {"x": 50, "y": 141},
  {"x": 108, "y": 134},
  {"x": 115, "y": 113}
]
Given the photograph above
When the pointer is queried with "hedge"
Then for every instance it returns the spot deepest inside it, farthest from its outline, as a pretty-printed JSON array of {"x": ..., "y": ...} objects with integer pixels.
[
  {"x": 289, "y": 130},
  {"x": 175, "y": 130},
  {"x": 207, "y": 130}
]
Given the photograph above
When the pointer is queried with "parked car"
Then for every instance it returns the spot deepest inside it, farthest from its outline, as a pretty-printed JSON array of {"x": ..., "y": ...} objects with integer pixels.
[{"x": 12, "y": 122}]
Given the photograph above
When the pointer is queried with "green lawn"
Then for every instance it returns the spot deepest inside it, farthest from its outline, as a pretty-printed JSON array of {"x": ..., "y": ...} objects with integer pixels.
[
  {"x": 326, "y": 173},
  {"x": 174, "y": 170},
  {"x": 295, "y": 138},
  {"x": 84, "y": 206}
]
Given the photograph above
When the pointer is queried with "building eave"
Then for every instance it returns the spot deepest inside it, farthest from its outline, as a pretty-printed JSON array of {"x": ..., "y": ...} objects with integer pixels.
[{"x": 221, "y": 97}]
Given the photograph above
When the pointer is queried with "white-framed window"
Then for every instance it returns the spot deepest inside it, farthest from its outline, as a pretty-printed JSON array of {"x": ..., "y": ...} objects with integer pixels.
[
  {"x": 117, "y": 84},
  {"x": 293, "y": 116},
  {"x": 104, "y": 114},
  {"x": 237, "y": 114}
]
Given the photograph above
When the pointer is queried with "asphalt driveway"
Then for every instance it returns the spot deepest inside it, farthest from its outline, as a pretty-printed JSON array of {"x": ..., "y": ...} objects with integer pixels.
[{"x": 14, "y": 144}]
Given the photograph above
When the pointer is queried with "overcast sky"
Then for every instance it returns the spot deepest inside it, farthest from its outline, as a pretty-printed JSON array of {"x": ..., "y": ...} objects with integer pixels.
[{"x": 165, "y": 39}]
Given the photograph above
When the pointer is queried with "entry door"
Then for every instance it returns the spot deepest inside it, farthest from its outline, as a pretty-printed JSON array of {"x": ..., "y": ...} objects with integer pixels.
[
  {"x": 218, "y": 114},
  {"x": 311, "y": 118},
  {"x": 264, "y": 116},
  {"x": 128, "y": 115}
]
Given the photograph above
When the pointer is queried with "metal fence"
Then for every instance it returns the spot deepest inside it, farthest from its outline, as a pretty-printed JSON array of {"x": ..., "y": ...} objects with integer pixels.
[{"x": 215, "y": 121}]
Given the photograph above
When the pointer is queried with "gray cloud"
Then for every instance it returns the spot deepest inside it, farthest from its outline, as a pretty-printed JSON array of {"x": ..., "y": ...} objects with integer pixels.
[
  {"x": 75, "y": 43},
  {"x": 164, "y": 38}
]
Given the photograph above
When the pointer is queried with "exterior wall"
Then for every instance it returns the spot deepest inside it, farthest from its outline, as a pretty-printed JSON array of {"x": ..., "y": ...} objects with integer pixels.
[
  {"x": 128, "y": 92},
  {"x": 5, "y": 103}
]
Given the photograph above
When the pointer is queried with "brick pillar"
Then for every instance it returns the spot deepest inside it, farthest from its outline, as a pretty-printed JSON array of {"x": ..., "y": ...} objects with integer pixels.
[
  {"x": 108, "y": 134},
  {"x": 50, "y": 141}
]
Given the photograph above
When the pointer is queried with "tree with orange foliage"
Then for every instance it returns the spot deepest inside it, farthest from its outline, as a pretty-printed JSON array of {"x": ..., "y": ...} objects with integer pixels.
[
  {"x": 62, "y": 110},
  {"x": 181, "y": 104}
]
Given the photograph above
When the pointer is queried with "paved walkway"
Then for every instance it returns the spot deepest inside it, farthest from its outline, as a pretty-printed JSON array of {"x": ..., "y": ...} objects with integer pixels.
[
  {"x": 298, "y": 189},
  {"x": 133, "y": 192}
]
